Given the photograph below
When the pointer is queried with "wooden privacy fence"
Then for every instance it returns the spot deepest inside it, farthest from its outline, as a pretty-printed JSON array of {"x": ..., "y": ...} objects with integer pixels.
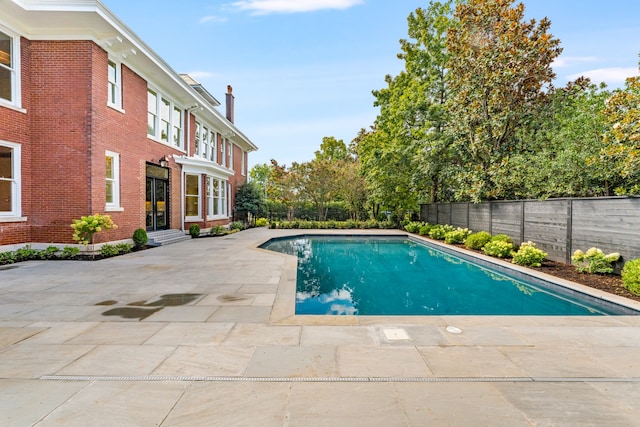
[{"x": 557, "y": 226}]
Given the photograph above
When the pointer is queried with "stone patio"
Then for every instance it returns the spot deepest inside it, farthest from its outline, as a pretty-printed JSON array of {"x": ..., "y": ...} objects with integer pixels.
[{"x": 101, "y": 343}]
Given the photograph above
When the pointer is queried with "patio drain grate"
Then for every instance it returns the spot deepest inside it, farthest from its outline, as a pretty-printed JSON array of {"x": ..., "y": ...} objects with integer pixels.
[{"x": 345, "y": 379}]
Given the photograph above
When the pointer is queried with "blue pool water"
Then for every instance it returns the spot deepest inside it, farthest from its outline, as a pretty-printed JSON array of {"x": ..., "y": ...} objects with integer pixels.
[{"x": 344, "y": 275}]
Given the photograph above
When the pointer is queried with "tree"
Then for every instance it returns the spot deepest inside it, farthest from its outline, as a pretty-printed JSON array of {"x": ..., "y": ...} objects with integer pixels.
[
  {"x": 404, "y": 154},
  {"x": 316, "y": 181},
  {"x": 499, "y": 69},
  {"x": 622, "y": 137},
  {"x": 555, "y": 145},
  {"x": 281, "y": 187},
  {"x": 260, "y": 175},
  {"x": 332, "y": 149},
  {"x": 249, "y": 200}
]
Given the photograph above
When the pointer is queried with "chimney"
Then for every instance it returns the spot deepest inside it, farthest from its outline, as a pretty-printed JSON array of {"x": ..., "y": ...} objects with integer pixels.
[{"x": 229, "y": 103}]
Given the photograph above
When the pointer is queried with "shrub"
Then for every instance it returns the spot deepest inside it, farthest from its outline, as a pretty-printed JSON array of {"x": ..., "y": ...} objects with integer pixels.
[
  {"x": 194, "y": 230},
  {"x": 69, "y": 252},
  {"x": 477, "y": 240},
  {"x": 7, "y": 258},
  {"x": 594, "y": 261},
  {"x": 456, "y": 236},
  {"x": 502, "y": 238},
  {"x": 140, "y": 238},
  {"x": 85, "y": 227},
  {"x": 217, "y": 230},
  {"x": 261, "y": 222},
  {"x": 529, "y": 256},
  {"x": 631, "y": 276},
  {"x": 438, "y": 231},
  {"x": 413, "y": 226},
  {"x": 48, "y": 253},
  {"x": 498, "y": 248},
  {"x": 124, "y": 248},
  {"x": 425, "y": 229},
  {"x": 237, "y": 225},
  {"x": 25, "y": 254},
  {"x": 108, "y": 250}
]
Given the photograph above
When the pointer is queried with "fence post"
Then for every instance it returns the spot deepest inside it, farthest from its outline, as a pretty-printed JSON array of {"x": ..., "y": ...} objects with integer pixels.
[
  {"x": 490, "y": 218},
  {"x": 569, "y": 243},
  {"x": 522, "y": 218}
]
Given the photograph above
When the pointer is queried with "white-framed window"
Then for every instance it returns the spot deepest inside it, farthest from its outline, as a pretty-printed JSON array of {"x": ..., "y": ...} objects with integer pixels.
[
  {"x": 230, "y": 154},
  {"x": 9, "y": 68},
  {"x": 10, "y": 180},
  {"x": 223, "y": 152},
  {"x": 192, "y": 196},
  {"x": 213, "y": 146},
  {"x": 243, "y": 165},
  {"x": 216, "y": 198},
  {"x": 164, "y": 119},
  {"x": 198, "y": 141},
  {"x": 152, "y": 114},
  {"x": 206, "y": 142},
  {"x": 114, "y": 79},
  {"x": 112, "y": 177},
  {"x": 176, "y": 120}
]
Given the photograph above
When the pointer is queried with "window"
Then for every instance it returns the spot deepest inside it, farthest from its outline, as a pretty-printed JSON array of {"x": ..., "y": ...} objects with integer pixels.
[
  {"x": 164, "y": 119},
  {"x": 213, "y": 146},
  {"x": 177, "y": 126},
  {"x": 112, "y": 175},
  {"x": 9, "y": 180},
  {"x": 243, "y": 166},
  {"x": 216, "y": 198},
  {"x": 9, "y": 68},
  {"x": 192, "y": 196},
  {"x": 152, "y": 116},
  {"x": 230, "y": 154},
  {"x": 205, "y": 142},
  {"x": 223, "y": 155},
  {"x": 198, "y": 142},
  {"x": 114, "y": 97}
]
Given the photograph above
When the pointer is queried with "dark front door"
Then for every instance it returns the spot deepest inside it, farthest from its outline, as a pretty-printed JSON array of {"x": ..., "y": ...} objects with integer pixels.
[{"x": 157, "y": 203}]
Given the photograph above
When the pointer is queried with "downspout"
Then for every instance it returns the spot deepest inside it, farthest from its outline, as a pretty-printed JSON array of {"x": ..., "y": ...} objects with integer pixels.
[{"x": 187, "y": 144}]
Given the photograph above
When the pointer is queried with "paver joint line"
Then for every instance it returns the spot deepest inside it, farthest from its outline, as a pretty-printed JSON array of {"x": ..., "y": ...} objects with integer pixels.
[{"x": 343, "y": 379}]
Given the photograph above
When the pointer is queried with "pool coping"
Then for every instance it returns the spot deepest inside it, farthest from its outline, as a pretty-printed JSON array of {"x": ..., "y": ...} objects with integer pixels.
[{"x": 283, "y": 312}]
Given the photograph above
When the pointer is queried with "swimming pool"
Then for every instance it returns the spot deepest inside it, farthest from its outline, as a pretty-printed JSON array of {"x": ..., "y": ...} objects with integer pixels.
[{"x": 358, "y": 275}]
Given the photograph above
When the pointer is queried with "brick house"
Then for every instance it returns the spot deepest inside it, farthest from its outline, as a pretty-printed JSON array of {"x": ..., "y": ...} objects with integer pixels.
[{"x": 94, "y": 121}]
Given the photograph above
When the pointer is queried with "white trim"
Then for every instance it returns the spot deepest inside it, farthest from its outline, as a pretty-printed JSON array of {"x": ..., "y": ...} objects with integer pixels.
[
  {"x": 16, "y": 181},
  {"x": 117, "y": 102},
  {"x": 199, "y": 216},
  {"x": 15, "y": 70},
  {"x": 115, "y": 205}
]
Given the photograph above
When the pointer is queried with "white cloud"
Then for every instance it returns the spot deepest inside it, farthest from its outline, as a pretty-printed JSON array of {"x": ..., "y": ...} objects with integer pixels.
[
  {"x": 567, "y": 61},
  {"x": 263, "y": 7},
  {"x": 212, "y": 18},
  {"x": 611, "y": 76}
]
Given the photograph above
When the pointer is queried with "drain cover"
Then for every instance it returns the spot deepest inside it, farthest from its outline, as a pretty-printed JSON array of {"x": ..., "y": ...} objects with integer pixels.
[{"x": 395, "y": 334}]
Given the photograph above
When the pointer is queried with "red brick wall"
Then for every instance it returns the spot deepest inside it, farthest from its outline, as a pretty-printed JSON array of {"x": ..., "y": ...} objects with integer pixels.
[
  {"x": 14, "y": 127},
  {"x": 60, "y": 118}
]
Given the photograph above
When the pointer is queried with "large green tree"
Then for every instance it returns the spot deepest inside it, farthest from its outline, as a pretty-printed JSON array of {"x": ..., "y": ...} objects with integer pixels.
[
  {"x": 499, "y": 70},
  {"x": 405, "y": 152},
  {"x": 621, "y": 153}
]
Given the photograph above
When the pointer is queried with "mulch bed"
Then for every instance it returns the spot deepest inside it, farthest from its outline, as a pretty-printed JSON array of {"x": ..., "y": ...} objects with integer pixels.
[{"x": 611, "y": 283}]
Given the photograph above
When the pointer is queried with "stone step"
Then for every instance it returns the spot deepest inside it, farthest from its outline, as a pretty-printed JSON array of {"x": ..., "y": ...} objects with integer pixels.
[{"x": 166, "y": 237}]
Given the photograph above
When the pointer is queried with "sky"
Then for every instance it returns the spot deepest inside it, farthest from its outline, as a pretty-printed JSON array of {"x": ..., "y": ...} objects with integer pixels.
[{"x": 302, "y": 70}]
